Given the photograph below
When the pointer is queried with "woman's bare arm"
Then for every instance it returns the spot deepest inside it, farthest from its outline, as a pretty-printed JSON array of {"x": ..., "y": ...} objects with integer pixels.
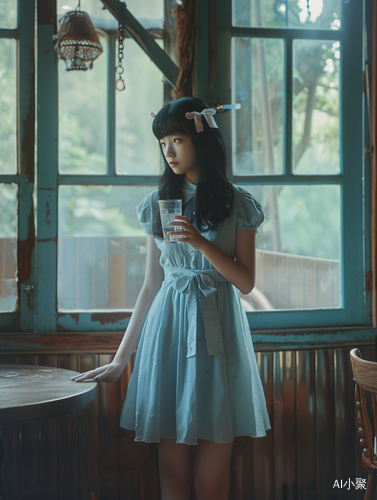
[
  {"x": 154, "y": 276},
  {"x": 240, "y": 272}
]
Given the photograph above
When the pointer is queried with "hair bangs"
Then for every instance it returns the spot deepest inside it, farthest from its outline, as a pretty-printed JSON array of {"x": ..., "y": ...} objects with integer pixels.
[{"x": 168, "y": 121}]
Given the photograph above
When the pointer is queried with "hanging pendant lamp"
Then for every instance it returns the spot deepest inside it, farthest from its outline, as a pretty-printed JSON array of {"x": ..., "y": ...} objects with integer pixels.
[{"x": 77, "y": 41}]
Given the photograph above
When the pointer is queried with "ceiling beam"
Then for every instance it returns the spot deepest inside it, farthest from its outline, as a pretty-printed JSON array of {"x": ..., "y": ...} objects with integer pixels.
[{"x": 143, "y": 39}]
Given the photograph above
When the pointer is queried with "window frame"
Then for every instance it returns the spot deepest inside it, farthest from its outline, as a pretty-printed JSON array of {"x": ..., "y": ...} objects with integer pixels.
[
  {"x": 23, "y": 318},
  {"x": 38, "y": 303},
  {"x": 355, "y": 200},
  {"x": 48, "y": 318}
]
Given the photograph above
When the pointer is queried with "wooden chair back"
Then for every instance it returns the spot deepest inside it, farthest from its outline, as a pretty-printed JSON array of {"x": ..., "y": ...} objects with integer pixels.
[{"x": 365, "y": 376}]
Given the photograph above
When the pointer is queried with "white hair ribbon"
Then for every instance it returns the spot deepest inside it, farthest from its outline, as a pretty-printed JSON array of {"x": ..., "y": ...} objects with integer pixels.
[{"x": 207, "y": 113}]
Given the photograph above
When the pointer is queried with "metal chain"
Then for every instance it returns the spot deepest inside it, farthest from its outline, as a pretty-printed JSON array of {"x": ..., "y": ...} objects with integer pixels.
[{"x": 119, "y": 84}]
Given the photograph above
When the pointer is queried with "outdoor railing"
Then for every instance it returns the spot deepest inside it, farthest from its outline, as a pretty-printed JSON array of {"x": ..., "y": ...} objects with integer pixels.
[{"x": 107, "y": 272}]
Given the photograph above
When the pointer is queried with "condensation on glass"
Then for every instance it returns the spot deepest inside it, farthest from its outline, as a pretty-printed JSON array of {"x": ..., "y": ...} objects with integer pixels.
[
  {"x": 257, "y": 75},
  {"x": 315, "y": 114},
  {"x": 8, "y": 106},
  {"x": 8, "y": 248},
  {"x": 101, "y": 247},
  {"x": 137, "y": 150},
  {"x": 8, "y": 14},
  {"x": 307, "y": 14},
  {"x": 83, "y": 117},
  {"x": 298, "y": 248}
]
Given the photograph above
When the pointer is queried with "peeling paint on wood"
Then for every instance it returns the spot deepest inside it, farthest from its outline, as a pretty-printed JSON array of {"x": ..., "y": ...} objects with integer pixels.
[
  {"x": 93, "y": 322},
  {"x": 56, "y": 342}
]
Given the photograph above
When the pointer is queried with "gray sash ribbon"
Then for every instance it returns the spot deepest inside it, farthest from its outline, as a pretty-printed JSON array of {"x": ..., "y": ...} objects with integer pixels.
[{"x": 185, "y": 281}]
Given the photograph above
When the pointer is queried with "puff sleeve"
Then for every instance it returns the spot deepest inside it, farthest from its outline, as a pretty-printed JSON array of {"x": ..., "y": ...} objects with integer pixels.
[
  {"x": 144, "y": 214},
  {"x": 250, "y": 214}
]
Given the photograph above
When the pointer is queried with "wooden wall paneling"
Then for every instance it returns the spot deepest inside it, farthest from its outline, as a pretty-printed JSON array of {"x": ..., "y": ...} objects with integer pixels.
[
  {"x": 47, "y": 360},
  {"x": 108, "y": 436},
  {"x": 147, "y": 464},
  {"x": 306, "y": 421},
  {"x": 28, "y": 447},
  {"x": 137, "y": 461},
  {"x": 130, "y": 477},
  {"x": 10, "y": 436},
  {"x": 345, "y": 421},
  {"x": 285, "y": 452},
  {"x": 130, "y": 480},
  {"x": 6, "y": 359},
  {"x": 48, "y": 459},
  {"x": 89, "y": 439},
  {"x": 68, "y": 444},
  {"x": 27, "y": 359},
  {"x": 29, "y": 458},
  {"x": 10, "y": 469},
  {"x": 243, "y": 467},
  {"x": 325, "y": 422},
  {"x": 280, "y": 453},
  {"x": 263, "y": 448},
  {"x": 368, "y": 352},
  {"x": 311, "y": 391},
  {"x": 48, "y": 451}
]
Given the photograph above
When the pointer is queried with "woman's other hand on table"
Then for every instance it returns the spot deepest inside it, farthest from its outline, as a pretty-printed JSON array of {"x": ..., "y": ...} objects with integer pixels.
[{"x": 106, "y": 373}]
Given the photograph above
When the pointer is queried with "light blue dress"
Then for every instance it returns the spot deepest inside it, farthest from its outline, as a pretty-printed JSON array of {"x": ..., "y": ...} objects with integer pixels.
[{"x": 195, "y": 374}]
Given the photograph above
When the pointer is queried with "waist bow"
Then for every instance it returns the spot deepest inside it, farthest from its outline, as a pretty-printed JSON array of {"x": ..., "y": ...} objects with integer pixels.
[{"x": 185, "y": 281}]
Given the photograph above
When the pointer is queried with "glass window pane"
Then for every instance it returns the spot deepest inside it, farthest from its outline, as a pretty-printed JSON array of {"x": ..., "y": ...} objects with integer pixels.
[
  {"x": 298, "y": 248},
  {"x": 149, "y": 14},
  {"x": 137, "y": 149},
  {"x": 8, "y": 248},
  {"x": 100, "y": 17},
  {"x": 142, "y": 9},
  {"x": 309, "y": 14},
  {"x": 8, "y": 14},
  {"x": 315, "y": 139},
  {"x": 83, "y": 117},
  {"x": 258, "y": 69},
  {"x": 314, "y": 14},
  {"x": 101, "y": 251},
  {"x": 8, "y": 107}
]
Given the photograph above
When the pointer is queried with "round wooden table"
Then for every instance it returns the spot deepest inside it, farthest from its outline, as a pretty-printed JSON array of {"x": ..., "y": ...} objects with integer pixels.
[{"x": 29, "y": 392}]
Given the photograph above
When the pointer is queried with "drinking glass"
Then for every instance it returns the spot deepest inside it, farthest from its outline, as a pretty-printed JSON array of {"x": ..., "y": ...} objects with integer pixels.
[{"x": 168, "y": 210}]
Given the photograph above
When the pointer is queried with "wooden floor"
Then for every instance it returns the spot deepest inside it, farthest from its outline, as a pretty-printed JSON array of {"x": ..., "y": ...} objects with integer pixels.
[{"x": 87, "y": 456}]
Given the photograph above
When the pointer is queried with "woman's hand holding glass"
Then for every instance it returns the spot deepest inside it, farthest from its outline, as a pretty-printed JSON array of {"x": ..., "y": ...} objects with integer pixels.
[
  {"x": 189, "y": 233},
  {"x": 107, "y": 373}
]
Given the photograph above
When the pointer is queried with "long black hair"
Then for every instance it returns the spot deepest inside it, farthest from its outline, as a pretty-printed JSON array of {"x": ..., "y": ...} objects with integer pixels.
[{"x": 214, "y": 191}]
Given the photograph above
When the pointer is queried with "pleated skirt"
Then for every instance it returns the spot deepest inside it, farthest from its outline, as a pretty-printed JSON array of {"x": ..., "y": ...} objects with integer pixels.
[{"x": 213, "y": 397}]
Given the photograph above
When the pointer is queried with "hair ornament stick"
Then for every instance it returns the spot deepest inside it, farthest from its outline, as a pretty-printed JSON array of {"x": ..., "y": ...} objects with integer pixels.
[{"x": 207, "y": 113}]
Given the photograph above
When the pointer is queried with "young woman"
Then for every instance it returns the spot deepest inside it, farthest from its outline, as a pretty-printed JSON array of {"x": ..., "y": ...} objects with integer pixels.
[{"x": 195, "y": 380}]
